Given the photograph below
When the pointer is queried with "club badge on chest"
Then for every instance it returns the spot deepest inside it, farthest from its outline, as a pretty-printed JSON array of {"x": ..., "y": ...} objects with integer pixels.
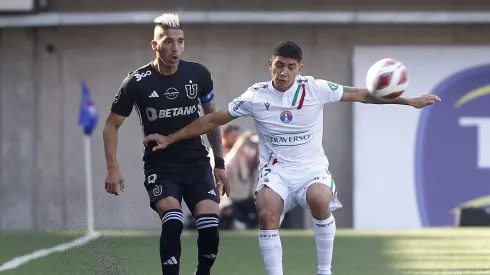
[
  {"x": 191, "y": 90},
  {"x": 286, "y": 116}
]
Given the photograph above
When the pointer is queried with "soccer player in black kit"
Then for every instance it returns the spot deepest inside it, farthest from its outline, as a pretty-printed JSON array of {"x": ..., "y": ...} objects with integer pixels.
[{"x": 167, "y": 94}]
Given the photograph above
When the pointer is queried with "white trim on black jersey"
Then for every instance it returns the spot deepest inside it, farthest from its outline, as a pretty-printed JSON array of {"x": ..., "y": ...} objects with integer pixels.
[{"x": 137, "y": 109}]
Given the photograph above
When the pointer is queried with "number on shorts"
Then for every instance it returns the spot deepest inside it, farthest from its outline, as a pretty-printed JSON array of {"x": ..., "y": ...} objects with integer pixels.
[
  {"x": 266, "y": 172},
  {"x": 152, "y": 178}
]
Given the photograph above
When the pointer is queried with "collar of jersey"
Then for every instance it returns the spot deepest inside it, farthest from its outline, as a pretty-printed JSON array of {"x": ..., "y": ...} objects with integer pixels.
[{"x": 163, "y": 75}]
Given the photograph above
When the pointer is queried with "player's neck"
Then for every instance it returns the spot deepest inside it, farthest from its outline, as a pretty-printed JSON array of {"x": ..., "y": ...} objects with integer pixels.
[
  {"x": 162, "y": 68},
  {"x": 282, "y": 90}
]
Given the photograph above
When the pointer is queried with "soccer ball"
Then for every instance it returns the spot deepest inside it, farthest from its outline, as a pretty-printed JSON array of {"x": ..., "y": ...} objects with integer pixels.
[{"x": 387, "y": 79}]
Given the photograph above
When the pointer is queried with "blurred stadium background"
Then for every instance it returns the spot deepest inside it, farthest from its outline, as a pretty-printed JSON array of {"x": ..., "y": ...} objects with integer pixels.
[{"x": 400, "y": 171}]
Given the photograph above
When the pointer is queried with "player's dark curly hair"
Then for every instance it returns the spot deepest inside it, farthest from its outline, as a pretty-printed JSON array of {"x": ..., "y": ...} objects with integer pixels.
[{"x": 288, "y": 49}]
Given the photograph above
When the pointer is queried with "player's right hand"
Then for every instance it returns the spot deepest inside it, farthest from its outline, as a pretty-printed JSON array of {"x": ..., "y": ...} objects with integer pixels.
[
  {"x": 162, "y": 141},
  {"x": 114, "y": 182}
]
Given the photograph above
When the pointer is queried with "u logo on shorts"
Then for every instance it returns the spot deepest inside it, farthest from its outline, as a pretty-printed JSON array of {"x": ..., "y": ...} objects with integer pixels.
[{"x": 157, "y": 191}]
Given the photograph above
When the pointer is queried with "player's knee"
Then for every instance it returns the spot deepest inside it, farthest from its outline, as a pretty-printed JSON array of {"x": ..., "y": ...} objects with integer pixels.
[
  {"x": 206, "y": 207},
  {"x": 269, "y": 209},
  {"x": 318, "y": 197},
  {"x": 167, "y": 204},
  {"x": 269, "y": 220}
]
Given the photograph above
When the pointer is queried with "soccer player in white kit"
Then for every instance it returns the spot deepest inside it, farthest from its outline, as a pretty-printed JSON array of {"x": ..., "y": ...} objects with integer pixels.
[{"x": 288, "y": 115}]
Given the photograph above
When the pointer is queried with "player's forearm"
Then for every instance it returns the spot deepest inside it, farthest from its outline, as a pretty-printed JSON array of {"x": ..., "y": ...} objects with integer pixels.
[
  {"x": 196, "y": 128},
  {"x": 362, "y": 95},
  {"x": 214, "y": 138},
  {"x": 110, "y": 146},
  {"x": 369, "y": 99}
]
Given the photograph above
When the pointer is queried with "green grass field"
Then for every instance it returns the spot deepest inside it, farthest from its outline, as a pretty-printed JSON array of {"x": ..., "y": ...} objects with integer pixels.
[{"x": 427, "y": 252}]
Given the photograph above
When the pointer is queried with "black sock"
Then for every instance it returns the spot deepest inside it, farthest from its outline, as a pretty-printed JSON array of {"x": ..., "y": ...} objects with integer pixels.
[
  {"x": 207, "y": 242},
  {"x": 172, "y": 226}
]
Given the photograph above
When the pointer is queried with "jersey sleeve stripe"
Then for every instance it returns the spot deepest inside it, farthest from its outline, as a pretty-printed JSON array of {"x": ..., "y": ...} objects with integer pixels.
[
  {"x": 207, "y": 97},
  {"x": 300, "y": 105},
  {"x": 296, "y": 96}
]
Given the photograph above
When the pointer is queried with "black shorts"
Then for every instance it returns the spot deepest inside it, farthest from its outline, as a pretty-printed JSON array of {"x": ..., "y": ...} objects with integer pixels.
[{"x": 193, "y": 182}]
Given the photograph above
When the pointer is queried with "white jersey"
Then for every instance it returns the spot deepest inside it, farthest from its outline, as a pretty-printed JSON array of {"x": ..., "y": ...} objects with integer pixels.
[{"x": 289, "y": 124}]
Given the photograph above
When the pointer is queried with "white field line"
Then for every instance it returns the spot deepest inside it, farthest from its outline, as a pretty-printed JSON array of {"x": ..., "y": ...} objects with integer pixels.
[{"x": 21, "y": 260}]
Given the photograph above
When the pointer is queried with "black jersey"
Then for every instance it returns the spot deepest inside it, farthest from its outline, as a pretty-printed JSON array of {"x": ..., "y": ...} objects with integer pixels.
[{"x": 166, "y": 104}]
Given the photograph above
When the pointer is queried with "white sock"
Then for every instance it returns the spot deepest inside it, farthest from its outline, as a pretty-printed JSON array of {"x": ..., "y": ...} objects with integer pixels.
[
  {"x": 324, "y": 236},
  {"x": 270, "y": 245}
]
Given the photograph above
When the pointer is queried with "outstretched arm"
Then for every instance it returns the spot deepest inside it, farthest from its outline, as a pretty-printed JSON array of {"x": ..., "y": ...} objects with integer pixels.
[
  {"x": 353, "y": 94},
  {"x": 240, "y": 106},
  {"x": 202, "y": 125},
  {"x": 196, "y": 128},
  {"x": 362, "y": 95}
]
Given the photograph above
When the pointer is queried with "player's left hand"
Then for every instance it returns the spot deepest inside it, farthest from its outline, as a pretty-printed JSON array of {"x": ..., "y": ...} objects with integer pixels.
[
  {"x": 221, "y": 176},
  {"x": 423, "y": 101}
]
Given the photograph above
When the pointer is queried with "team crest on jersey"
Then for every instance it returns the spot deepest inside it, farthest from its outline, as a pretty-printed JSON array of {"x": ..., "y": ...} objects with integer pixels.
[
  {"x": 191, "y": 90},
  {"x": 286, "y": 116},
  {"x": 333, "y": 86}
]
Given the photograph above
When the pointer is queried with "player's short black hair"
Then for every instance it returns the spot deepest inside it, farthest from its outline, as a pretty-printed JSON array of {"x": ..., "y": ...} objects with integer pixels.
[
  {"x": 288, "y": 49},
  {"x": 230, "y": 128}
]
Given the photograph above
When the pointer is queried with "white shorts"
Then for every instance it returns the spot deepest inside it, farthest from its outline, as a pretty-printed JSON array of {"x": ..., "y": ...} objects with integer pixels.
[{"x": 292, "y": 186}]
